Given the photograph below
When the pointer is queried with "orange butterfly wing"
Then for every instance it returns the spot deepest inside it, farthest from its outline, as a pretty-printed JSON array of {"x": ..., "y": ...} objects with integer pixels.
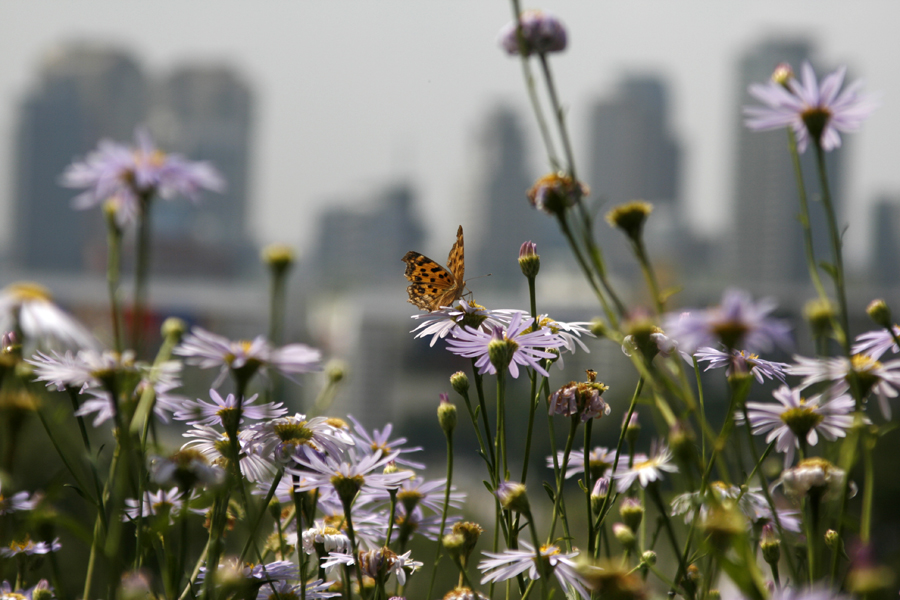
[{"x": 433, "y": 286}]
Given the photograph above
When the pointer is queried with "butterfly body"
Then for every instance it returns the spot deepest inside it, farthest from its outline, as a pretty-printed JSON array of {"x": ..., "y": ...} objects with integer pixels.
[{"x": 433, "y": 286}]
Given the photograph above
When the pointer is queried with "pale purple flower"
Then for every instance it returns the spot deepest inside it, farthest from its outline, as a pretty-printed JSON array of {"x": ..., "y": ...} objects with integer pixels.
[
  {"x": 29, "y": 548},
  {"x": 17, "y": 502},
  {"x": 600, "y": 460},
  {"x": 876, "y": 343},
  {"x": 750, "y": 502},
  {"x": 541, "y": 33},
  {"x": 316, "y": 470},
  {"x": 807, "y": 101},
  {"x": 164, "y": 377},
  {"x": 284, "y": 590},
  {"x": 378, "y": 562},
  {"x": 369, "y": 443},
  {"x": 211, "y": 443},
  {"x": 417, "y": 492},
  {"x": 646, "y": 471},
  {"x": 258, "y": 574},
  {"x": 29, "y": 307},
  {"x": 738, "y": 322},
  {"x": 441, "y": 323},
  {"x": 165, "y": 503},
  {"x": 570, "y": 333},
  {"x": 87, "y": 367},
  {"x": 219, "y": 411},
  {"x": 279, "y": 439},
  {"x": 125, "y": 175},
  {"x": 520, "y": 345},
  {"x": 795, "y": 418},
  {"x": 207, "y": 350},
  {"x": 505, "y": 565},
  {"x": 882, "y": 379},
  {"x": 742, "y": 362},
  {"x": 331, "y": 539}
]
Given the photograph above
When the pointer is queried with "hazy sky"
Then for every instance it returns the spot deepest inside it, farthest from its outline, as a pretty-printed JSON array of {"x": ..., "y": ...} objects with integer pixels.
[{"x": 351, "y": 96}]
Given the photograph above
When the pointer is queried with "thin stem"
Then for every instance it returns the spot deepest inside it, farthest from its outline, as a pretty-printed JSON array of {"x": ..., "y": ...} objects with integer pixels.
[
  {"x": 682, "y": 563},
  {"x": 113, "y": 272},
  {"x": 142, "y": 267},
  {"x": 559, "y": 114},
  {"x": 649, "y": 275},
  {"x": 479, "y": 388},
  {"x": 865, "y": 526},
  {"x": 588, "y": 484},
  {"x": 836, "y": 252},
  {"x": 440, "y": 544},
  {"x": 559, "y": 502},
  {"x": 501, "y": 424}
]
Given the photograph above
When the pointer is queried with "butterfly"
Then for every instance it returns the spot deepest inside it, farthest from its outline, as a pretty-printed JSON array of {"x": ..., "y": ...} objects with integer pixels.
[{"x": 433, "y": 286}]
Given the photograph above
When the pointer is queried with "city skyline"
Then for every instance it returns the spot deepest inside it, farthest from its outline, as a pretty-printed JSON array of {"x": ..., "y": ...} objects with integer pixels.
[{"x": 320, "y": 139}]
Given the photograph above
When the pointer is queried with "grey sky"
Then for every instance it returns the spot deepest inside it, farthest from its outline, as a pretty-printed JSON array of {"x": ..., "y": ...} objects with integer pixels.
[{"x": 353, "y": 95}]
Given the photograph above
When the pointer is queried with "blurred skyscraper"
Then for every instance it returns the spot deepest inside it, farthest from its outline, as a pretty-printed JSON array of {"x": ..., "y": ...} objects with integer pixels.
[
  {"x": 83, "y": 94},
  {"x": 768, "y": 239},
  {"x": 633, "y": 155},
  {"x": 501, "y": 205},
  {"x": 205, "y": 113},
  {"x": 87, "y": 93},
  {"x": 363, "y": 248},
  {"x": 885, "y": 261}
]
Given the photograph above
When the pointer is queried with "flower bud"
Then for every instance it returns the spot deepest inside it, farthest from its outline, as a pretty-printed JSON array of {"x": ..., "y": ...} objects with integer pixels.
[
  {"x": 625, "y": 535},
  {"x": 460, "y": 383},
  {"x": 769, "y": 544},
  {"x": 599, "y": 328},
  {"x": 534, "y": 32},
  {"x": 630, "y": 218},
  {"x": 279, "y": 257},
  {"x": 336, "y": 370},
  {"x": 275, "y": 508},
  {"x": 820, "y": 314},
  {"x": 529, "y": 261},
  {"x": 879, "y": 312},
  {"x": 599, "y": 494},
  {"x": 512, "y": 496},
  {"x": 454, "y": 543},
  {"x": 501, "y": 350},
  {"x": 632, "y": 428},
  {"x": 649, "y": 558},
  {"x": 782, "y": 74},
  {"x": 631, "y": 512},
  {"x": 832, "y": 538},
  {"x": 446, "y": 413},
  {"x": 173, "y": 327}
]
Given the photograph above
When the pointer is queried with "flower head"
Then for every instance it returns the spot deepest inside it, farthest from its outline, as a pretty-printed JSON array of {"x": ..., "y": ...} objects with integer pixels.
[
  {"x": 510, "y": 563},
  {"x": 646, "y": 471},
  {"x": 738, "y": 361},
  {"x": 29, "y": 307},
  {"x": 445, "y": 321},
  {"x": 555, "y": 192},
  {"x": 738, "y": 322},
  {"x": 796, "y": 419},
  {"x": 207, "y": 350},
  {"x": 872, "y": 376},
  {"x": 541, "y": 33},
  {"x": 223, "y": 411},
  {"x": 27, "y": 547},
  {"x": 515, "y": 345},
  {"x": 876, "y": 343},
  {"x": 126, "y": 175},
  {"x": 815, "y": 112},
  {"x": 17, "y": 502},
  {"x": 814, "y": 475}
]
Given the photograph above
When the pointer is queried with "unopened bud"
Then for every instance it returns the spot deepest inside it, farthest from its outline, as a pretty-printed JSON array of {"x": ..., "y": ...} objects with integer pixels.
[
  {"x": 782, "y": 74},
  {"x": 512, "y": 496},
  {"x": 631, "y": 512},
  {"x": 832, "y": 538},
  {"x": 599, "y": 494},
  {"x": 599, "y": 328},
  {"x": 446, "y": 413},
  {"x": 879, "y": 312},
  {"x": 770, "y": 544},
  {"x": 454, "y": 543},
  {"x": 173, "y": 327},
  {"x": 279, "y": 257},
  {"x": 820, "y": 314},
  {"x": 42, "y": 591},
  {"x": 460, "y": 383},
  {"x": 625, "y": 535},
  {"x": 336, "y": 370},
  {"x": 275, "y": 508},
  {"x": 529, "y": 260},
  {"x": 649, "y": 557},
  {"x": 632, "y": 428}
]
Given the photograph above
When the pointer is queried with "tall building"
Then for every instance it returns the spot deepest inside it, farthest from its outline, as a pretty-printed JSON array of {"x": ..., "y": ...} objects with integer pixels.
[
  {"x": 768, "y": 238},
  {"x": 363, "y": 248},
  {"x": 634, "y": 155},
  {"x": 83, "y": 94},
  {"x": 502, "y": 205},
  {"x": 885, "y": 257},
  {"x": 204, "y": 113}
]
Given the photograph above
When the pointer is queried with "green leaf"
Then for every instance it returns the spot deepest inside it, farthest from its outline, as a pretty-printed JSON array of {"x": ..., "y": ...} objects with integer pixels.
[
  {"x": 550, "y": 492},
  {"x": 81, "y": 493},
  {"x": 488, "y": 486}
]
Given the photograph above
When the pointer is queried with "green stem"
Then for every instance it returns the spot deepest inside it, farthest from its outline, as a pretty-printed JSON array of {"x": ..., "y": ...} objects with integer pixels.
[
  {"x": 559, "y": 114},
  {"x": 501, "y": 424},
  {"x": 682, "y": 563},
  {"x": 542, "y": 566},
  {"x": 440, "y": 544},
  {"x": 865, "y": 527},
  {"x": 588, "y": 484},
  {"x": 559, "y": 502},
  {"x": 142, "y": 267},
  {"x": 836, "y": 252},
  {"x": 479, "y": 388},
  {"x": 649, "y": 274},
  {"x": 113, "y": 271}
]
